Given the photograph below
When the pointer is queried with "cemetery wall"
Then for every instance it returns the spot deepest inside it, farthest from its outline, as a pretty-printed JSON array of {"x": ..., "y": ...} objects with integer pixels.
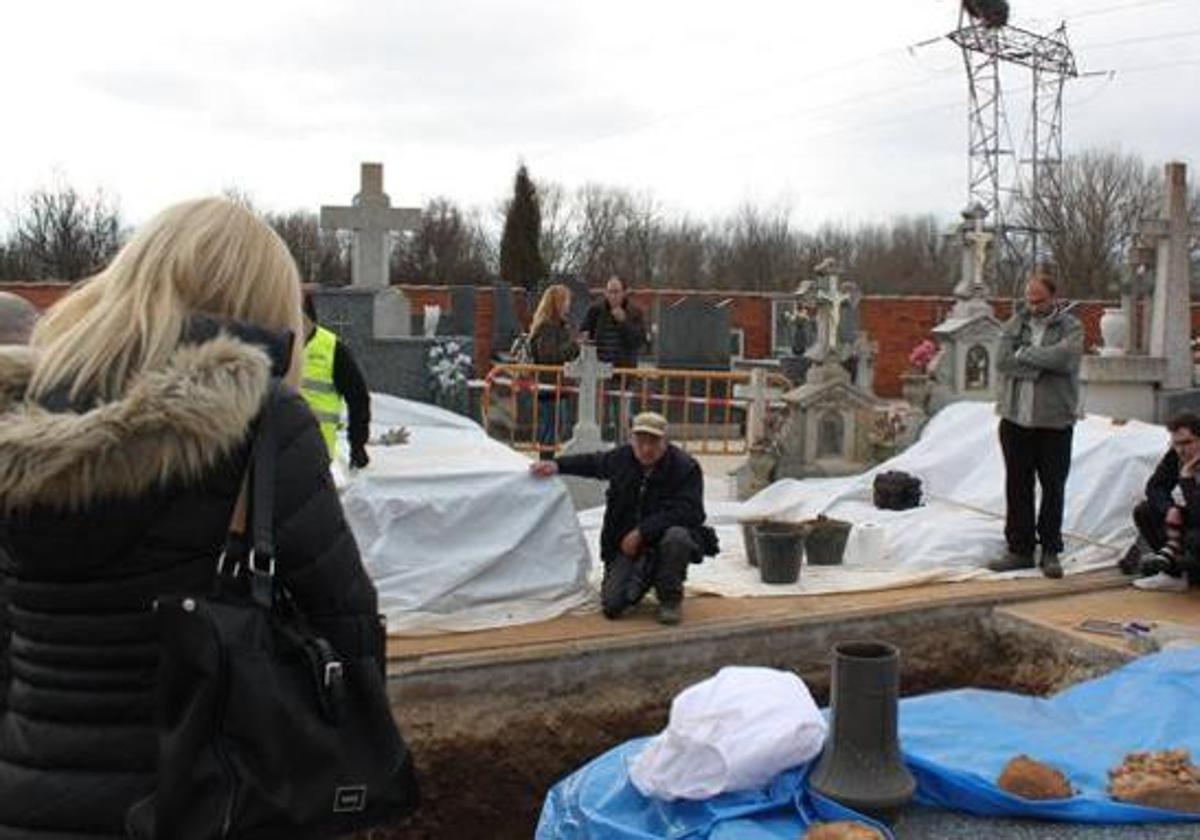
[{"x": 895, "y": 323}]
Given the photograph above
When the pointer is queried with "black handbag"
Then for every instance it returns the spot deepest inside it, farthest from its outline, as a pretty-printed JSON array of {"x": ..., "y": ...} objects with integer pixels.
[{"x": 271, "y": 725}]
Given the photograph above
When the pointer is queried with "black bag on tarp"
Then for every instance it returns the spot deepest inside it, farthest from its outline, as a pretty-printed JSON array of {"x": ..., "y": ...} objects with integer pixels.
[
  {"x": 271, "y": 725},
  {"x": 895, "y": 490}
]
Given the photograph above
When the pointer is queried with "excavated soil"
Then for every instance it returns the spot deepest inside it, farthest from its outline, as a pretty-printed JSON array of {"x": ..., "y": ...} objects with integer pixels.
[{"x": 487, "y": 763}]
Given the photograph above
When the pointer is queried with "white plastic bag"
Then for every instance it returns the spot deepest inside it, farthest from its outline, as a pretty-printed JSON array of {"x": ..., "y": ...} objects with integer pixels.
[{"x": 735, "y": 731}]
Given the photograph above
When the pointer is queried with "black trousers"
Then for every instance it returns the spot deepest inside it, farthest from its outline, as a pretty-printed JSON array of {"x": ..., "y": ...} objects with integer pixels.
[
  {"x": 1044, "y": 456},
  {"x": 663, "y": 567}
]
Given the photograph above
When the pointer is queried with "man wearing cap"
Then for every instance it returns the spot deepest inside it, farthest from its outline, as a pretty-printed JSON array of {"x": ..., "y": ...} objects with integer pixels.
[{"x": 653, "y": 520}]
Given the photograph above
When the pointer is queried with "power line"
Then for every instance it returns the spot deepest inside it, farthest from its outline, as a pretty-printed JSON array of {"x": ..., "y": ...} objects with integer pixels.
[{"x": 1142, "y": 39}]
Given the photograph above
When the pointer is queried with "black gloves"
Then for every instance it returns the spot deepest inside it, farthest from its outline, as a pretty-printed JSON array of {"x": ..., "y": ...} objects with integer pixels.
[{"x": 359, "y": 457}]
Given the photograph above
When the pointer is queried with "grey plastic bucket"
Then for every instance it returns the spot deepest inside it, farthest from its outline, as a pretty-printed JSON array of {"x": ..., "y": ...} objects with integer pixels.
[
  {"x": 780, "y": 552},
  {"x": 826, "y": 541}
]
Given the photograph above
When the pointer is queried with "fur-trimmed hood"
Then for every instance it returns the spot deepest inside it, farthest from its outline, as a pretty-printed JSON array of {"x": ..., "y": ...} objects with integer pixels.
[{"x": 172, "y": 424}]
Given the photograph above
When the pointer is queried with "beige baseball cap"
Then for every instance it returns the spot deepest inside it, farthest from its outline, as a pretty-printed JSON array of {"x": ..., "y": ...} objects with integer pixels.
[{"x": 651, "y": 423}]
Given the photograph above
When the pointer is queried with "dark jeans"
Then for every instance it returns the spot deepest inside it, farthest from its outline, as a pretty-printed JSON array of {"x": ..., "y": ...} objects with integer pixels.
[
  {"x": 550, "y": 411},
  {"x": 664, "y": 567},
  {"x": 1043, "y": 455}
]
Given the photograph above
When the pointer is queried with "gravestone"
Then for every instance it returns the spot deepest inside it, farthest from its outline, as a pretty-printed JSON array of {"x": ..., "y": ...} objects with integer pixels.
[
  {"x": 693, "y": 334},
  {"x": 462, "y": 310},
  {"x": 968, "y": 338},
  {"x": 1171, "y": 308},
  {"x": 590, "y": 373},
  {"x": 1160, "y": 384},
  {"x": 829, "y": 418},
  {"x": 374, "y": 320},
  {"x": 505, "y": 326}
]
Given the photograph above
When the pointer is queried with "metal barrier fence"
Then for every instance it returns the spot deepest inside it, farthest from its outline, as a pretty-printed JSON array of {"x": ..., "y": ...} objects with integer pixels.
[{"x": 534, "y": 408}]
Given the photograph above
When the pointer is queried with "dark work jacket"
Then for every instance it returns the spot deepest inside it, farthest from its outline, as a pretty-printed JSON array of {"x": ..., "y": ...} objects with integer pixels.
[
  {"x": 104, "y": 508},
  {"x": 618, "y": 342},
  {"x": 1163, "y": 483},
  {"x": 672, "y": 493}
]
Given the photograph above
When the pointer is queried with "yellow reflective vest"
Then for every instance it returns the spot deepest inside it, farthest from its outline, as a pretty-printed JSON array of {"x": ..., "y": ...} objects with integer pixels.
[{"x": 316, "y": 384}]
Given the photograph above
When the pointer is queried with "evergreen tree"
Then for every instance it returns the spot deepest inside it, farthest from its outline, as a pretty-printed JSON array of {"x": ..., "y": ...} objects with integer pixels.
[{"x": 520, "y": 257}]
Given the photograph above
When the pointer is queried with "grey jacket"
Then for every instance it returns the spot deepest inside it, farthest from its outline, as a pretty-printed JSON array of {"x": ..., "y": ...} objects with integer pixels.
[{"x": 1052, "y": 367}]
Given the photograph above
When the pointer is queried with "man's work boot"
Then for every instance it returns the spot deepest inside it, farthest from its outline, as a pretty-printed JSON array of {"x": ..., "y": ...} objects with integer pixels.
[
  {"x": 670, "y": 613},
  {"x": 1011, "y": 562},
  {"x": 1051, "y": 566}
]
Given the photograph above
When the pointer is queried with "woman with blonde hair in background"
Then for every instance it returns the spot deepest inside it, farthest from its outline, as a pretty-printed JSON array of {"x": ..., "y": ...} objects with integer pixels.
[
  {"x": 125, "y": 429},
  {"x": 552, "y": 342}
]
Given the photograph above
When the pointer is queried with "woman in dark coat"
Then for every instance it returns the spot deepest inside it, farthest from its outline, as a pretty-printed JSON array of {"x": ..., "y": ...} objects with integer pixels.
[{"x": 124, "y": 436}]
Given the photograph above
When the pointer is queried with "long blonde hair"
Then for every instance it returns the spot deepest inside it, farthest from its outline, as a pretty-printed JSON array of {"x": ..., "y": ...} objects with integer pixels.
[
  {"x": 554, "y": 303},
  {"x": 207, "y": 256}
]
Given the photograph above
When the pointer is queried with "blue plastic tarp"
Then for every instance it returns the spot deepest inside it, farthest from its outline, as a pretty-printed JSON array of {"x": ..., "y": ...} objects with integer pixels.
[{"x": 956, "y": 744}]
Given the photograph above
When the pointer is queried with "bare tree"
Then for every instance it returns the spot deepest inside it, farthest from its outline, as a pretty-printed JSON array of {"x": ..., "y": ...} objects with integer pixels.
[
  {"x": 322, "y": 256},
  {"x": 560, "y": 224},
  {"x": 1103, "y": 196},
  {"x": 63, "y": 235},
  {"x": 448, "y": 248}
]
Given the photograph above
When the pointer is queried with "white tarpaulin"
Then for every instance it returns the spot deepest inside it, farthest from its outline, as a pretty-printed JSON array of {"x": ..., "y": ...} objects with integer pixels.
[
  {"x": 454, "y": 531},
  {"x": 960, "y": 526}
]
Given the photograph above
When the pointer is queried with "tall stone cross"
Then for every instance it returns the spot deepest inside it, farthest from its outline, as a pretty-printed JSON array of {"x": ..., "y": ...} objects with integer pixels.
[
  {"x": 756, "y": 415},
  {"x": 1171, "y": 310},
  {"x": 372, "y": 218},
  {"x": 590, "y": 372}
]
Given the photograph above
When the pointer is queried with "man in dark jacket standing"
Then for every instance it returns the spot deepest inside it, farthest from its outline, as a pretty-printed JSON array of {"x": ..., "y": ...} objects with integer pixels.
[
  {"x": 618, "y": 330},
  {"x": 615, "y": 326},
  {"x": 1038, "y": 403},
  {"x": 1169, "y": 518},
  {"x": 653, "y": 520}
]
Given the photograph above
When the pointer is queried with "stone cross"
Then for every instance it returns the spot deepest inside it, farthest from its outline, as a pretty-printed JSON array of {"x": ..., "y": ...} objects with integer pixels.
[
  {"x": 590, "y": 372},
  {"x": 978, "y": 241},
  {"x": 829, "y": 315},
  {"x": 1170, "y": 319},
  {"x": 756, "y": 411},
  {"x": 372, "y": 217}
]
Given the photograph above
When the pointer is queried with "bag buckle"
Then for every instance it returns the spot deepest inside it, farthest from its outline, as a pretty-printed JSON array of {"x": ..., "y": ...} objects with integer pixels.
[
  {"x": 252, "y": 565},
  {"x": 333, "y": 673}
]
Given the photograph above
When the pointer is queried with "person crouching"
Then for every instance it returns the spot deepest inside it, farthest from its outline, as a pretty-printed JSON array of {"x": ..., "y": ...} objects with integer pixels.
[{"x": 653, "y": 520}]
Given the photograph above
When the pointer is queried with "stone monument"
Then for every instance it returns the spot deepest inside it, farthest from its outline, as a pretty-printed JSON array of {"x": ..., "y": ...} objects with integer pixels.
[
  {"x": 965, "y": 367},
  {"x": 1150, "y": 376},
  {"x": 830, "y": 420},
  {"x": 373, "y": 319},
  {"x": 590, "y": 372}
]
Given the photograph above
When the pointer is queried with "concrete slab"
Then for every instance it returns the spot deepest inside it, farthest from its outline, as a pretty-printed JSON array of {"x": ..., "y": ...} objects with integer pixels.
[{"x": 1065, "y": 614}]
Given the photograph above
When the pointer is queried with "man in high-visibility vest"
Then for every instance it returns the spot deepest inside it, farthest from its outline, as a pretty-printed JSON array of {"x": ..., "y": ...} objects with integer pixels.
[{"x": 330, "y": 380}]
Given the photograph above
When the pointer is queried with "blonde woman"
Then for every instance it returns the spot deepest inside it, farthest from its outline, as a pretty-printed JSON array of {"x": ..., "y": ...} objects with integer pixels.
[
  {"x": 124, "y": 435},
  {"x": 551, "y": 342}
]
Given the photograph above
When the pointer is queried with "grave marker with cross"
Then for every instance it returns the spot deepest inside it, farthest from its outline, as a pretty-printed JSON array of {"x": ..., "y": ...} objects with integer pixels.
[
  {"x": 1170, "y": 319},
  {"x": 372, "y": 219},
  {"x": 590, "y": 372}
]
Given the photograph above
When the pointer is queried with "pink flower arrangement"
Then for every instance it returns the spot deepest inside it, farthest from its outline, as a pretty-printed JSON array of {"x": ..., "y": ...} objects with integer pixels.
[{"x": 922, "y": 355}]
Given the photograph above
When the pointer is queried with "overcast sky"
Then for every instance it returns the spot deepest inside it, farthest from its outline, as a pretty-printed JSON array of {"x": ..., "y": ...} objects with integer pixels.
[{"x": 817, "y": 106}]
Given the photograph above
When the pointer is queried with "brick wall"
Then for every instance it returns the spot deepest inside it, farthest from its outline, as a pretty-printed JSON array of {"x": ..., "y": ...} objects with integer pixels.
[{"x": 896, "y": 323}]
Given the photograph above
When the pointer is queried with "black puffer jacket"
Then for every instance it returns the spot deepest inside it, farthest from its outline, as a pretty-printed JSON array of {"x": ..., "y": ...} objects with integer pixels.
[
  {"x": 672, "y": 493},
  {"x": 103, "y": 510}
]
